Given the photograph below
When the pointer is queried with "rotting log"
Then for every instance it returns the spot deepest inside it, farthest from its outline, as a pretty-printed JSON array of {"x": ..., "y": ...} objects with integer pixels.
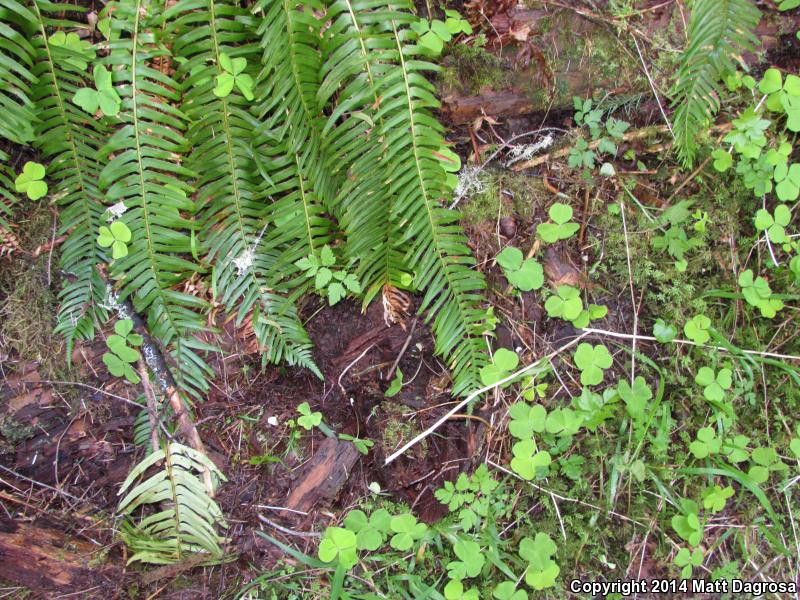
[
  {"x": 46, "y": 559},
  {"x": 324, "y": 475}
]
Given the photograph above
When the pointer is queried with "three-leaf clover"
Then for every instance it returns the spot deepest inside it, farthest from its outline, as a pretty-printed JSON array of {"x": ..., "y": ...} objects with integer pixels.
[
  {"x": 526, "y": 419},
  {"x": 503, "y": 363},
  {"x": 30, "y": 181},
  {"x": 723, "y": 160},
  {"x": 454, "y": 590},
  {"x": 542, "y": 569},
  {"x": 687, "y": 523},
  {"x": 233, "y": 74},
  {"x": 471, "y": 560},
  {"x": 121, "y": 356},
  {"x": 714, "y": 385},
  {"x": 697, "y": 329},
  {"x": 715, "y": 498},
  {"x": 432, "y": 34},
  {"x": 688, "y": 560},
  {"x": 766, "y": 459},
  {"x": 664, "y": 332},
  {"x": 561, "y": 228},
  {"x": 406, "y": 531},
  {"x": 526, "y": 461},
  {"x": 105, "y": 97},
  {"x": 565, "y": 303},
  {"x": 592, "y": 361},
  {"x": 456, "y": 23},
  {"x": 77, "y": 51},
  {"x": 307, "y": 419},
  {"x": 523, "y": 274},
  {"x": 362, "y": 445},
  {"x": 787, "y": 180},
  {"x": 756, "y": 292},
  {"x": 707, "y": 443},
  {"x": 339, "y": 544},
  {"x": 370, "y": 532},
  {"x": 117, "y": 235},
  {"x": 774, "y": 225},
  {"x": 736, "y": 448}
]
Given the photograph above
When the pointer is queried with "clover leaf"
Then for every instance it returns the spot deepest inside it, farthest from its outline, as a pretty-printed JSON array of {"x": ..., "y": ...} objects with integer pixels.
[
  {"x": 775, "y": 226},
  {"x": 766, "y": 459},
  {"x": 707, "y": 443},
  {"x": 722, "y": 160},
  {"x": 456, "y": 23},
  {"x": 471, "y": 560},
  {"x": 565, "y": 303},
  {"x": 635, "y": 397},
  {"x": 592, "y": 361},
  {"x": 454, "y": 590},
  {"x": 105, "y": 97},
  {"x": 30, "y": 181},
  {"x": 117, "y": 235},
  {"x": 406, "y": 530},
  {"x": 362, "y": 445},
  {"x": 736, "y": 448},
  {"x": 526, "y": 419},
  {"x": 714, "y": 385},
  {"x": 523, "y": 274},
  {"x": 664, "y": 332},
  {"x": 687, "y": 523},
  {"x": 308, "y": 420},
  {"x": 121, "y": 356},
  {"x": 339, "y": 544},
  {"x": 526, "y": 461},
  {"x": 756, "y": 292},
  {"x": 787, "y": 179},
  {"x": 563, "y": 422},
  {"x": 503, "y": 363},
  {"x": 370, "y": 532},
  {"x": 508, "y": 591},
  {"x": 686, "y": 559},
  {"x": 715, "y": 498},
  {"x": 233, "y": 74},
  {"x": 542, "y": 569},
  {"x": 561, "y": 228},
  {"x": 77, "y": 51},
  {"x": 432, "y": 34},
  {"x": 697, "y": 329},
  {"x": 794, "y": 446}
]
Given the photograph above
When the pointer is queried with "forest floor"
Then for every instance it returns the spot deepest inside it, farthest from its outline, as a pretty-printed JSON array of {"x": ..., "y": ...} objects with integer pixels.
[{"x": 67, "y": 430}]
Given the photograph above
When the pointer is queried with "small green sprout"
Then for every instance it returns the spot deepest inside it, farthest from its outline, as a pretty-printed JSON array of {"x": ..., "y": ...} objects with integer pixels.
[
  {"x": 335, "y": 284},
  {"x": 370, "y": 533},
  {"x": 78, "y": 51},
  {"x": 766, "y": 460},
  {"x": 395, "y": 385},
  {"x": 687, "y": 523},
  {"x": 707, "y": 443},
  {"x": 362, "y": 445},
  {"x": 432, "y": 34},
  {"x": 307, "y": 419},
  {"x": 30, "y": 181},
  {"x": 525, "y": 420},
  {"x": 664, "y": 332},
  {"x": 688, "y": 560},
  {"x": 715, "y": 498},
  {"x": 471, "y": 560},
  {"x": 635, "y": 397},
  {"x": 756, "y": 292}
]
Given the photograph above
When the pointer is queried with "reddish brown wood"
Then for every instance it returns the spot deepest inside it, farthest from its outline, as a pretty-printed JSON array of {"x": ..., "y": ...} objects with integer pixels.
[{"x": 324, "y": 475}]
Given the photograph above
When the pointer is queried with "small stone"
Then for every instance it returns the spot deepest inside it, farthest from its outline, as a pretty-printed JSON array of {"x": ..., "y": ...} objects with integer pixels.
[{"x": 508, "y": 226}]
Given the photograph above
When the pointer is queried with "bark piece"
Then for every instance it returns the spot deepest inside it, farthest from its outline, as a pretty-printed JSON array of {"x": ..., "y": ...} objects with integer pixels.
[
  {"x": 43, "y": 558},
  {"x": 324, "y": 475}
]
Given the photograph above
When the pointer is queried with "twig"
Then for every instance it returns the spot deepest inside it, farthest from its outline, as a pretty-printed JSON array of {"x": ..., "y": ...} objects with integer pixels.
[
  {"x": 633, "y": 295},
  {"x": 44, "y": 485},
  {"x": 286, "y": 530},
  {"x": 457, "y": 408},
  {"x": 402, "y": 350},
  {"x": 627, "y": 336},
  {"x": 653, "y": 86}
]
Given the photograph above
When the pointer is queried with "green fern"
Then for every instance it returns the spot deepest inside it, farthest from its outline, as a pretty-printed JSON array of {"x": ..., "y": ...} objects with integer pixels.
[
  {"x": 145, "y": 172},
  {"x": 187, "y": 516},
  {"x": 718, "y": 31},
  {"x": 233, "y": 210},
  {"x": 71, "y": 139},
  {"x": 16, "y": 72},
  {"x": 7, "y": 196}
]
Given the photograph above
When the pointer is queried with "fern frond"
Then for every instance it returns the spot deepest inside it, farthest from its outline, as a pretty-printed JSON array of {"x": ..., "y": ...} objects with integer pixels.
[
  {"x": 187, "y": 516},
  {"x": 718, "y": 31},
  {"x": 16, "y": 72},
  {"x": 71, "y": 139},
  {"x": 145, "y": 172},
  {"x": 232, "y": 209},
  {"x": 7, "y": 197}
]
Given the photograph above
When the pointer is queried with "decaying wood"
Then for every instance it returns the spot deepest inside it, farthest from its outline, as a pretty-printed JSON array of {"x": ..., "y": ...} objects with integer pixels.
[
  {"x": 324, "y": 475},
  {"x": 45, "y": 558}
]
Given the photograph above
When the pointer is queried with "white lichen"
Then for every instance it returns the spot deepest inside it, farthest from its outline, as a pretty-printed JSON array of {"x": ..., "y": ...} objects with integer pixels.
[
  {"x": 527, "y": 151},
  {"x": 116, "y": 211},
  {"x": 469, "y": 182}
]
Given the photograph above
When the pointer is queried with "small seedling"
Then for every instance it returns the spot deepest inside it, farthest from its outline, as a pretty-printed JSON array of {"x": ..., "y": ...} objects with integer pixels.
[
  {"x": 335, "y": 284},
  {"x": 432, "y": 34},
  {"x": 471, "y": 560},
  {"x": 766, "y": 461},
  {"x": 508, "y": 591},
  {"x": 30, "y": 181},
  {"x": 117, "y": 235},
  {"x": 664, "y": 332},
  {"x": 79, "y": 52},
  {"x": 307, "y": 419},
  {"x": 687, "y": 523},
  {"x": 715, "y": 498},
  {"x": 525, "y": 420},
  {"x": 756, "y": 292},
  {"x": 592, "y": 361},
  {"x": 523, "y": 274},
  {"x": 395, "y": 385},
  {"x": 635, "y": 397},
  {"x": 362, "y": 445},
  {"x": 688, "y": 560}
]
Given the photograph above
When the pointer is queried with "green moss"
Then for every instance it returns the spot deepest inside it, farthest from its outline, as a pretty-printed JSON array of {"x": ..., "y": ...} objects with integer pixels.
[
  {"x": 468, "y": 69},
  {"x": 12, "y": 432},
  {"x": 398, "y": 429}
]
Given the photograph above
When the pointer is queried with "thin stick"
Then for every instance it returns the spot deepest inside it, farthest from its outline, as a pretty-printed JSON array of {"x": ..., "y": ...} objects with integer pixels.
[
  {"x": 44, "y": 485},
  {"x": 653, "y": 87},
  {"x": 417, "y": 439},
  {"x": 287, "y": 531},
  {"x": 402, "y": 350},
  {"x": 628, "y": 336},
  {"x": 633, "y": 295}
]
